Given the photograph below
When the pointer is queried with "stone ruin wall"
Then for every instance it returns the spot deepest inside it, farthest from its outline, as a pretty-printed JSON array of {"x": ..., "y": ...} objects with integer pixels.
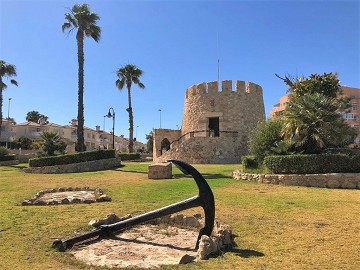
[
  {"x": 238, "y": 110},
  {"x": 207, "y": 150},
  {"x": 159, "y": 135}
]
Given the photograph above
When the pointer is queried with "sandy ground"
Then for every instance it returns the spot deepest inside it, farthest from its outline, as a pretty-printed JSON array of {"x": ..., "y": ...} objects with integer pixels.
[{"x": 145, "y": 246}]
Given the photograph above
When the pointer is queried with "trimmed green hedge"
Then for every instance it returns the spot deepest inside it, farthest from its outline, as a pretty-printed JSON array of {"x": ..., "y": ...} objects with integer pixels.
[
  {"x": 323, "y": 163},
  {"x": 249, "y": 162},
  {"x": 72, "y": 158},
  {"x": 129, "y": 156},
  {"x": 6, "y": 158}
]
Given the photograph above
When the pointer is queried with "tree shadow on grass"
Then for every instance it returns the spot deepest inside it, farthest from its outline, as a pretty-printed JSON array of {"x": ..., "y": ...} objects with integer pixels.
[
  {"x": 19, "y": 166},
  {"x": 206, "y": 176},
  {"x": 122, "y": 168},
  {"x": 246, "y": 253}
]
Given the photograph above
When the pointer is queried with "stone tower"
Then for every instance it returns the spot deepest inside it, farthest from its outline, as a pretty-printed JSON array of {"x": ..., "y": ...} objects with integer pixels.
[{"x": 215, "y": 126}]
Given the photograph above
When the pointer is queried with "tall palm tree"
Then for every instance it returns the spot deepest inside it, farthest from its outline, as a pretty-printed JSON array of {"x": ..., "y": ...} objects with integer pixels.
[
  {"x": 7, "y": 71},
  {"x": 79, "y": 17},
  {"x": 127, "y": 75}
]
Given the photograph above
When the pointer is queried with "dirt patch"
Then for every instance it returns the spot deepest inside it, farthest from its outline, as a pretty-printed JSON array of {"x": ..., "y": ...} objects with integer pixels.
[{"x": 145, "y": 246}]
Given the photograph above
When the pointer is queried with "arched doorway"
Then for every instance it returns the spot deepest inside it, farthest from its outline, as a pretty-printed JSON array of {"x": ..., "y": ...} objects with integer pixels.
[{"x": 165, "y": 145}]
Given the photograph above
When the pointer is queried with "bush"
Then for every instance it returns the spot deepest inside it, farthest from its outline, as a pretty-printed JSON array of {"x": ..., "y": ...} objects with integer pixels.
[
  {"x": 23, "y": 142},
  {"x": 72, "y": 158},
  {"x": 323, "y": 163},
  {"x": 6, "y": 158},
  {"x": 4, "y": 151},
  {"x": 266, "y": 140},
  {"x": 249, "y": 162},
  {"x": 129, "y": 156}
]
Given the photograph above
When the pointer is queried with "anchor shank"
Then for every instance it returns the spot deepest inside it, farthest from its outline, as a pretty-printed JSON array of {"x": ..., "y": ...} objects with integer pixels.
[{"x": 167, "y": 210}]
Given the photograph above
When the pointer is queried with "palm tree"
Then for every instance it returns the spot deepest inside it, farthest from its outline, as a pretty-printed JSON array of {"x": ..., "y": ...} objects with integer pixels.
[
  {"x": 127, "y": 75},
  {"x": 35, "y": 116},
  {"x": 53, "y": 143},
  {"x": 8, "y": 71},
  {"x": 312, "y": 124},
  {"x": 80, "y": 18}
]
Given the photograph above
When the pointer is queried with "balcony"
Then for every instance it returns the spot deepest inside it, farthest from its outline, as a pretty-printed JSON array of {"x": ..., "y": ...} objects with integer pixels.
[{"x": 34, "y": 135}]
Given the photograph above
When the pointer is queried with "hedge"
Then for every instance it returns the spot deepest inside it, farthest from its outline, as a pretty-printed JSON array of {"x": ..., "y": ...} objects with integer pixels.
[
  {"x": 129, "y": 156},
  {"x": 72, "y": 158},
  {"x": 249, "y": 162},
  {"x": 8, "y": 157},
  {"x": 323, "y": 163}
]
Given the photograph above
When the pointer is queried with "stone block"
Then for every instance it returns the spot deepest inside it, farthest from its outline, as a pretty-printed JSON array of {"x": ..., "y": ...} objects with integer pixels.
[
  {"x": 240, "y": 86},
  {"x": 213, "y": 87},
  {"x": 160, "y": 171},
  {"x": 227, "y": 86}
]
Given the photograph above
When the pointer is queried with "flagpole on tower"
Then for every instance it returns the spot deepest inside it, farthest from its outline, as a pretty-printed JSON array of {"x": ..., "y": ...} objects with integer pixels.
[{"x": 218, "y": 62}]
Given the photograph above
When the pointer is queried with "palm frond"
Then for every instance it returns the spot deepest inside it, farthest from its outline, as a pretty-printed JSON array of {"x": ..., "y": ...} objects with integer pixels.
[
  {"x": 14, "y": 82},
  {"x": 65, "y": 26},
  {"x": 120, "y": 83}
]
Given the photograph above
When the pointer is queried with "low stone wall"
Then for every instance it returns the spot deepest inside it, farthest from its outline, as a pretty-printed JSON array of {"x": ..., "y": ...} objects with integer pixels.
[
  {"x": 330, "y": 180},
  {"x": 160, "y": 171},
  {"x": 9, "y": 162},
  {"x": 88, "y": 166},
  {"x": 207, "y": 150}
]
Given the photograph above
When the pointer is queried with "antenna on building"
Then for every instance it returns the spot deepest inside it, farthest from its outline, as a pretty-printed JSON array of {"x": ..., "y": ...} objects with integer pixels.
[{"x": 218, "y": 56}]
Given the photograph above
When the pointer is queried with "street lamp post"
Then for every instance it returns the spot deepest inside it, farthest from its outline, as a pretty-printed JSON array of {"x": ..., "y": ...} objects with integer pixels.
[
  {"x": 136, "y": 132},
  {"x": 110, "y": 114},
  {"x": 160, "y": 117},
  {"x": 8, "y": 124}
]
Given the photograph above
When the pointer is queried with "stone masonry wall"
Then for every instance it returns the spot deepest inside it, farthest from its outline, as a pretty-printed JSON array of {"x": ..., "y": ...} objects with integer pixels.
[
  {"x": 159, "y": 135},
  {"x": 88, "y": 166},
  {"x": 207, "y": 150},
  {"x": 239, "y": 110},
  {"x": 330, "y": 180}
]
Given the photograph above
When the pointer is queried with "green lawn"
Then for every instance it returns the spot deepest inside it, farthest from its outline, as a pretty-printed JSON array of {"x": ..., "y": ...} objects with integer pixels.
[{"x": 279, "y": 227}]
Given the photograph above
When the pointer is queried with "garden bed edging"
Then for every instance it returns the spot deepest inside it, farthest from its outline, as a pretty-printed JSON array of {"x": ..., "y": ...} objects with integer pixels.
[
  {"x": 88, "y": 166},
  {"x": 328, "y": 180}
]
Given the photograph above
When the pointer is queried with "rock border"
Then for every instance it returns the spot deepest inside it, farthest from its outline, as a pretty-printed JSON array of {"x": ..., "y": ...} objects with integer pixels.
[
  {"x": 329, "y": 180},
  {"x": 100, "y": 196},
  {"x": 87, "y": 166},
  {"x": 9, "y": 162}
]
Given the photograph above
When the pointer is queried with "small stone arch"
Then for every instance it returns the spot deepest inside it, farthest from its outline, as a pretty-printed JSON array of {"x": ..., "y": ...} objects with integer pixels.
[{"x": 165, "y": 145}]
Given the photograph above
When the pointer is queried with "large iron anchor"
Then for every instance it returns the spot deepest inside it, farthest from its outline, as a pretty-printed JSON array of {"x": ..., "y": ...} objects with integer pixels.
[{"x": 205, "y": 199}]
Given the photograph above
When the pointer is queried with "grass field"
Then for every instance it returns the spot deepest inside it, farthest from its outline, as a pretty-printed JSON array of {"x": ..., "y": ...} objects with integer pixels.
[{"x": 279, "y": 227}]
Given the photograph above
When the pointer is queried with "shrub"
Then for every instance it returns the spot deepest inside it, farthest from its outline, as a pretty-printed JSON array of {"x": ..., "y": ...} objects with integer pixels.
[
  {"x": 23, "y": 142},
  {"x": 4, "y": 151},
  {"x": 72, "y": 158},
  {"x": 129, "y": 156},
  {"x": 323, "y": 163},
  {"x": 265, "y": 140},
  {"x": 249, "y": 162},
  {"x": 6, "y": 158}
]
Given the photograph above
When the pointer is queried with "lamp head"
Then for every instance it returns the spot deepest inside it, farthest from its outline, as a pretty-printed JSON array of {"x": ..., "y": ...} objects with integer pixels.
[{"x": 109, "y": 115}]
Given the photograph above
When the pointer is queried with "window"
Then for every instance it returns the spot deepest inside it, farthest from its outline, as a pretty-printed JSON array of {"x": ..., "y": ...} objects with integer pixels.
[
  {"x": 349, "y": 116},
  {"x": 214, "y": 127},
  {"x": 2, "y": 128},
  {"x": 354, "y": 106}
]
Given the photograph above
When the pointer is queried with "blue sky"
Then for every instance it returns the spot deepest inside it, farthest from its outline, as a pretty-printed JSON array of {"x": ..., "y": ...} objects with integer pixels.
[{"x": 176, "y": 44}]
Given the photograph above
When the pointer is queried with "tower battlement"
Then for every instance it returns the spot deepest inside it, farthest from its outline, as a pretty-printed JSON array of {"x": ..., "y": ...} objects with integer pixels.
[{"x": 241, "y": 87}]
